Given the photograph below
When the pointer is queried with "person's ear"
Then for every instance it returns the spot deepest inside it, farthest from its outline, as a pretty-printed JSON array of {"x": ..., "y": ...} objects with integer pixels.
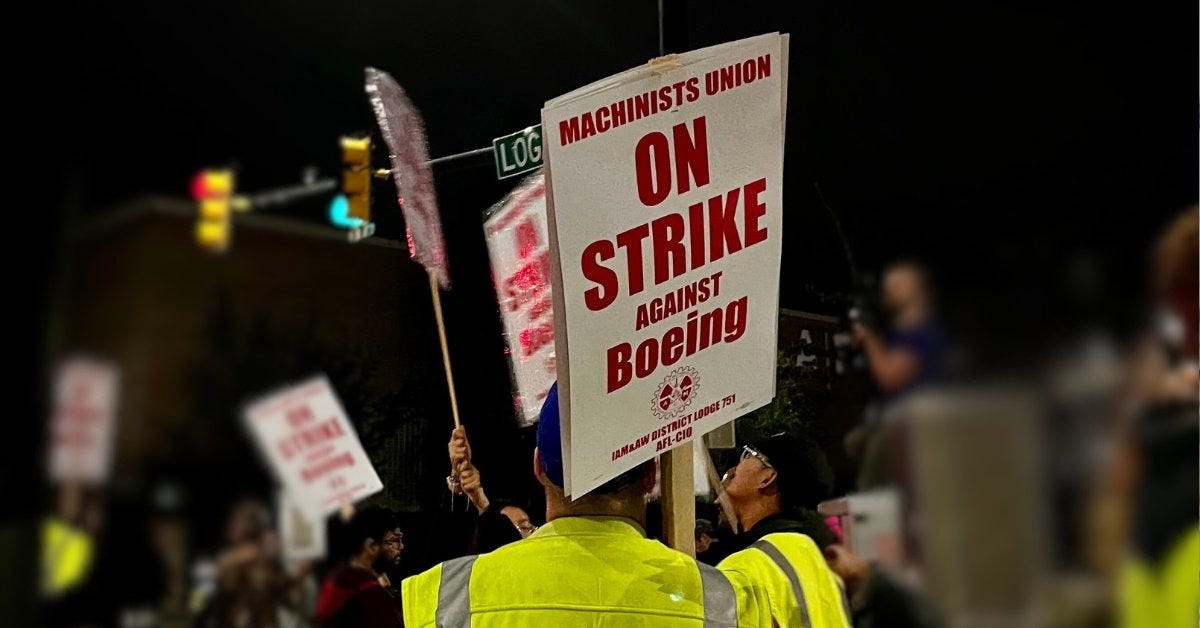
[{"x": 768, "y": 480}]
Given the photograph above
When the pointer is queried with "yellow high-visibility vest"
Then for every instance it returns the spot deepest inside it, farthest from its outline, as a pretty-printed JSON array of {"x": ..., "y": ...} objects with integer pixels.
[
  {"x": 1164, "y": 595},
  {"x": 578, "y": 572},
  {"x": 66, "y": 556},
  {"x": 795, "y": 585}
]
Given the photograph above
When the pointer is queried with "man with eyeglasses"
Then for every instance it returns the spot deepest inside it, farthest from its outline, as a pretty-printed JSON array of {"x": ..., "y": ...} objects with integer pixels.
[
  {"x": 774, "y": 490},
  {"x": 353, "y": 594},
  {"x": 391, "y": 548}
]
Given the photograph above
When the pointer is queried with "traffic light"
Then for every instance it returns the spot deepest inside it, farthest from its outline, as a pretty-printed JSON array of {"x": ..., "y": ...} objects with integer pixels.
[
  {"x": 356, "y": 176},
  {"x": 213, "y": 192}
]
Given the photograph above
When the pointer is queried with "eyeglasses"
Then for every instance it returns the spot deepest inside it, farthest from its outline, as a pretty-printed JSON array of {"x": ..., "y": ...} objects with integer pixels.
[
  {"x": 527, "y": 528},
  {"x": 750, "y": 452}
]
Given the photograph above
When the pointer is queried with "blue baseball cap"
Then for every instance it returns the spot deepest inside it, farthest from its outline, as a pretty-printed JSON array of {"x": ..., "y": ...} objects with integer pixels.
[{"x": 549, "y": 438}]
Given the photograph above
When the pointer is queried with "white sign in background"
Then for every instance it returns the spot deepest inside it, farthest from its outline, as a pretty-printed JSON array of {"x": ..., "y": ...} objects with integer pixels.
[
  {"x": 312, "y": 447},
  {"x": 519, "y": 249},
  {"x": 302, "y": 537},
  {"x": 85, "y": 420},
  {"x": 665, "y": 217}
]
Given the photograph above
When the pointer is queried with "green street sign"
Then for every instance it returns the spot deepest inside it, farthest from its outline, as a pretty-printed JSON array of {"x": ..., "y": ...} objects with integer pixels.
[{"x": 518, "y": 152}]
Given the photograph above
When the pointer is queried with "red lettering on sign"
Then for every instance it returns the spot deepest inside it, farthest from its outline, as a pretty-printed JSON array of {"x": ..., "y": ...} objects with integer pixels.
[
  {"x": 602, "y": 120},
  {"x": 605, "y": 278},
  {"x": 309, "y": 437},
  {"x": 690, "y": 157},
  {"x": 528, "y": 282},
  {"x": 668, "y": 247},
  {"x": 691, "y": 154},
  {"x": 631, "y": 241},
  {"x": 299, "y": 416},
  {"x": 699, "y": 332},
  {"x": 314, "y": 472},
  {"x": 653, "y": 174},
  {"x": 734, "y": 222},
  {"x": 620, "y": 371},
  {"x": 528, "y": 238},
  {"x": 542, "y": 306},
  {"x": 568, "y": 131},
  {"x": 534, "y": 337},
  {"x": 755, "y": 209},
  {"x": 722, "y": 230}
]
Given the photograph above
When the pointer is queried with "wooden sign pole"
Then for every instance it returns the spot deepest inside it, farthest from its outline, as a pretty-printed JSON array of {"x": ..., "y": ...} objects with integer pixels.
[{"x": 679, "y": 499}]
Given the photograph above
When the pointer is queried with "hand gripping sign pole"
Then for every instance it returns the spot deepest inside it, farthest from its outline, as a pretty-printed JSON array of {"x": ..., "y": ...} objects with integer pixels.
[{"x": 404, "y": 132}]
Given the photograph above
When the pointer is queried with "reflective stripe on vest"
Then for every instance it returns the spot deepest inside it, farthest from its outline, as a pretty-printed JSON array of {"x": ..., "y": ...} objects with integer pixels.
[
  {"x": 454, "y": 593},
  {"x": 720, "y": 603},
  {"x": 841, "y": 587},
  {"x": 775, "y": 555}
]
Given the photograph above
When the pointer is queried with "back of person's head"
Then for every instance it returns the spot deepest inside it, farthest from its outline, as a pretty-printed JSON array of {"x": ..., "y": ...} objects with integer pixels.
[
  {"x": 369, "y": 524},
  {"x": 804, "y": 477},
  {"x": 550, "y": 459}
]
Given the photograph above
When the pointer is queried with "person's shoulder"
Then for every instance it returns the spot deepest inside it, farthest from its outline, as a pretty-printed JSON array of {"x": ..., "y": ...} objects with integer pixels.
[
  {"x": 793, "y": 540},
  {"x": 742, "y": 560},
  {"x": 789, "y": 543},
  {"x": 343, "y": 576},
  {"x": 930, "y": 331}
]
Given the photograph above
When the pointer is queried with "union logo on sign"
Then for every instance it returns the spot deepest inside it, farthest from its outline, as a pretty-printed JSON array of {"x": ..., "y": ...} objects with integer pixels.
[{"x": 675, "y": 393}]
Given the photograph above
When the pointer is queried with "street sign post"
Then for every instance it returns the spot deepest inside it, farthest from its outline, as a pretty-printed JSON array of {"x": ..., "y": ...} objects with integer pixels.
[{"x": 518, "y": 153}]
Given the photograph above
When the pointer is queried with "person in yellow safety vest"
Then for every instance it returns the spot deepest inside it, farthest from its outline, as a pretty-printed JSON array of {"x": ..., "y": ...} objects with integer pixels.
[
  {"x": 590, "y": 565},
  {"x": 1163, "y": 593},
  {"x": 796, "y": 587},
  {"x": 67, "y": 552}
]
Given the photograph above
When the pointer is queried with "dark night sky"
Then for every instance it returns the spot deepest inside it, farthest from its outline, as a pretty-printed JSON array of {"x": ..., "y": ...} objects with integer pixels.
[
  {"x": 1004, "y": 143},
  {"x": 1007, "y": 144},
  {"x": 994, "y": 139}
]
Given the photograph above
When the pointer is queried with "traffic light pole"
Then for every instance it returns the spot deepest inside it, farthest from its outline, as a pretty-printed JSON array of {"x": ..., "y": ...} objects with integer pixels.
[{"x": 288, "y": 194}]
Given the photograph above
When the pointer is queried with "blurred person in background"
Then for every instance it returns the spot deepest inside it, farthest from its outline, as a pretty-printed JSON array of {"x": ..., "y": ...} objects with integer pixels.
[
  {"x": 1151, "y": 495},
  {"x": 393, "y": 548},
  {"x": 75, "y": 556},
  {"x": 252, "y": 588},
  {"x": 706, "y": 535},
  {"x": 170, "y": 534},
  {"x": 902, "y": 360},
  {"x": 909, "y": 354},
  {"x": 774, "y": 491},
  {"x": 113, "y": 576},
  {"x": 352, "y": 594},
  {"x": 877, "y": 599}
]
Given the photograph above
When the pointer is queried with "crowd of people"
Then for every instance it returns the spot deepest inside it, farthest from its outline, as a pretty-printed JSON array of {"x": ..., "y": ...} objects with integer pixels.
[
  {"x": 769, "y": 559},
  {"x": 594, "y": 561}
]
